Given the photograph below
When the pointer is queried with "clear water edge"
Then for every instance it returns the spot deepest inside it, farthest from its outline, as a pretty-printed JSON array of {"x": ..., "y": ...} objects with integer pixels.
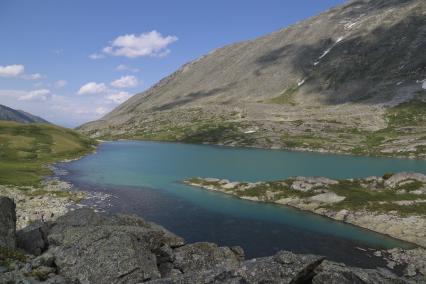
[{"x": 155, "y": 169}]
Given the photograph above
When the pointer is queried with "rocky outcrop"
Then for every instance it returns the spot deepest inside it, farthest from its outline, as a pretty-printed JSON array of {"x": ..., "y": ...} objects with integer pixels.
[
  {"x": 284, "y": 267},
  {"x": 412, "y": 261},
  {"x": 337, "y": 273},
  {"x": 95, "y": 249},
  {"x": 401, "y": 213},
  {"x": 53, "y": 199},
  {"x": 7, "y": 223},
  {"x": 33, "y": 239},
  {"x": 86, "y": 247}
]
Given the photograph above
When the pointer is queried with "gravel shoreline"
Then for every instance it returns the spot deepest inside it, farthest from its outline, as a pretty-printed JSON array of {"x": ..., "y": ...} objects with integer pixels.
[{"x": 54, "y": 198}]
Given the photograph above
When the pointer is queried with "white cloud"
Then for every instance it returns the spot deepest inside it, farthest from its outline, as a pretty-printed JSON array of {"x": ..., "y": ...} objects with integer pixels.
[
  {"x": 39, "y": 84},
  {"x": 11, "y": 70},
  {"x": 36, "y": 95},
  {"x": 68, "y": 110},
  {"x": 123, "y": 67},
  {"x": 92, "y": 88},
  {"x": 119, "y": 97},
  {"x": 60, "y": 84},
  {"x": 146, "y": 44},
  {"x": 96, "y": 56},
  {"x": 125, "y": 82},
  {"x": 58, "y": 51},
  {"x": 35, "y": 76},
  {"x": 101, "y": 110}
]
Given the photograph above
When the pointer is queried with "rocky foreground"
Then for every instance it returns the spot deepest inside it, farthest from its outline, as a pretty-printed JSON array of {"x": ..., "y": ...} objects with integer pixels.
[
  {"x": 86, "y": 247},
  {"x": 53, "y": 198},
  {"x": 394, "y": 204}
]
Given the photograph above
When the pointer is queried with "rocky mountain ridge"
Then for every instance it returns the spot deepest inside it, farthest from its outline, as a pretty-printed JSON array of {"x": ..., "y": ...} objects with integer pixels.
[
  {"x": 10, "y": 114},
  {"x": 350, "y": 80}
]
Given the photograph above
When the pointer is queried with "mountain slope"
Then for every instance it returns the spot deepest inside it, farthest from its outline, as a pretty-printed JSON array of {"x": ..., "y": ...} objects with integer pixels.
[
  {"x": 348, "y": 80},
  {"x": 7, "y": 113}
]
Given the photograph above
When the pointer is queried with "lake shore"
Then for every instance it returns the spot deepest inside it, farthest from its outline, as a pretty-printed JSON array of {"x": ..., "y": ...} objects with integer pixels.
[
  {"x": 53, "y": 200},
  {"x": 400, "y": 213},
  {"x": 47, "y": 202}
]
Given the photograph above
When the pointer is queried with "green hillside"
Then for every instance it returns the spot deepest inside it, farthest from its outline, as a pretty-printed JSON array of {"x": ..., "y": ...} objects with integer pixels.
[{"x": 26, "y": 149}]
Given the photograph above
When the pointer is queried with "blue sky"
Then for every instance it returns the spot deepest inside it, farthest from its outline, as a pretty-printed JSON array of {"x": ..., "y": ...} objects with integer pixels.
[{"x": 72, "y": 61}]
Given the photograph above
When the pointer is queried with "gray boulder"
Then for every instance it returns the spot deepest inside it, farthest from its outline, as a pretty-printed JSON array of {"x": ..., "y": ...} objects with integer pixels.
[
  {"x": 336, "y": 273},
  {"x": 33, "y": 238},
  {"x": 204, "y": 256},
  {"x": 396, "y": 179},
  {"x": 91, "y": 248},
  {"x": 284, "y": 267},
  {"x": 7, "y": 223}
]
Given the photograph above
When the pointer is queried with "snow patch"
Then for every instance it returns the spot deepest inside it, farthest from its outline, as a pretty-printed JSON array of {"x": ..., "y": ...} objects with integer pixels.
[
  {"x": 250, "y": 131},
  {"x": 325, "y": 53},
  {"x": 301, "y": 82},
  {"x": 424, "y": 85},
  {"x": 349, "y": 25}
]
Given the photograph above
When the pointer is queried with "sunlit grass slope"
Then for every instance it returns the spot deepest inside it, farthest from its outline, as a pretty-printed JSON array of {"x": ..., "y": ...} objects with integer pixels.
[{"x": 26, "y": 149}]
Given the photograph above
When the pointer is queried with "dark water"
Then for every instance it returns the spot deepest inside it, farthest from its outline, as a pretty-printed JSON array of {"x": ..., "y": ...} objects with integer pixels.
[{"x": 144, "y": 178}]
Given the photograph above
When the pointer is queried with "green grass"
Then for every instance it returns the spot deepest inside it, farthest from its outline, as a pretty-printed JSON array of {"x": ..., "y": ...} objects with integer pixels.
[
  {"x": 209, "y": 130},
  {"x": 305, "y": 141},
  {"x": 287, "y": 97},
  {"x": 7, "y": 256},
  {"x": 407, "y": 114},
  {"x": 380, "y": 200},
  {"x": 26, "y": 149},
  {"x": 356, "y": 197}
]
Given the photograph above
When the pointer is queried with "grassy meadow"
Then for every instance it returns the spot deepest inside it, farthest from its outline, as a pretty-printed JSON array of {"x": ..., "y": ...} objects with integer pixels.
[{"x": 27, "y": 149}]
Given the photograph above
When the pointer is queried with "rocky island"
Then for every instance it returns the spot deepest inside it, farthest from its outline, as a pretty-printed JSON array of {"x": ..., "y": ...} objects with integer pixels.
[
  {"x": 394, "y": 204},
  {"x": 86, "y": 247}
]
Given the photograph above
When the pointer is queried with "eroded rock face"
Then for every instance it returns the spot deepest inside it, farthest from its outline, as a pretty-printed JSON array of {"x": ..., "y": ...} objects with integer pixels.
[{"x": 7, "y": 223}]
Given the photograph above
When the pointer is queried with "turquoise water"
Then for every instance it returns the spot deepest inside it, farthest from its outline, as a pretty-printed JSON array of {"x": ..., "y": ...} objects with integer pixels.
[{"x": 145, "y": 178}]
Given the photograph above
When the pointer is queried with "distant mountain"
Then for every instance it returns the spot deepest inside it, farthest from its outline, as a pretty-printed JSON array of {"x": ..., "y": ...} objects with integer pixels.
[
  {"x": 348, "y": 80},
  {"x": 7, "y": 113}
]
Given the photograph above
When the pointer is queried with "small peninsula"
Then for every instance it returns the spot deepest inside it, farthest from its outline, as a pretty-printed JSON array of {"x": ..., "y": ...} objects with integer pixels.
[{"x": 394, "y": 204}]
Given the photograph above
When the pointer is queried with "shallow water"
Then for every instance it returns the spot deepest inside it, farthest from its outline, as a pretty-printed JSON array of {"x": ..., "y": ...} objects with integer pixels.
[{"x": 144, "y": 178}]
